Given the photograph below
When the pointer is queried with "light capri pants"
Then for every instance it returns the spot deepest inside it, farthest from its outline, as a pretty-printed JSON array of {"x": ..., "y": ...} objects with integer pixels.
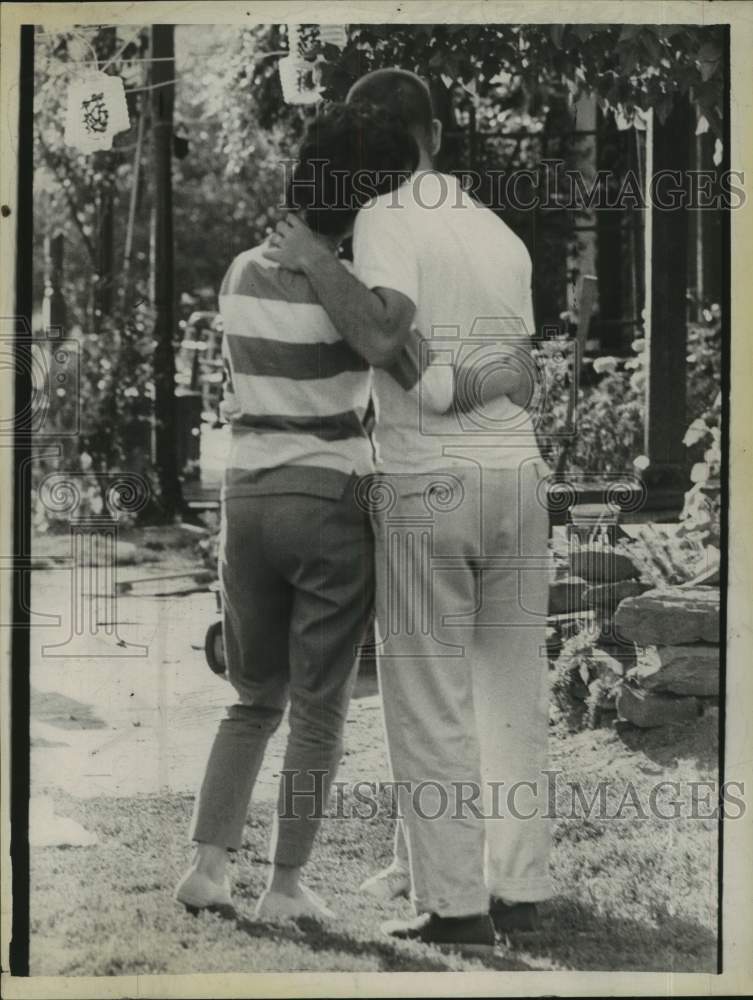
[
  {"x": 462, "y": 587},
  {"x": 296, "y": 573}
]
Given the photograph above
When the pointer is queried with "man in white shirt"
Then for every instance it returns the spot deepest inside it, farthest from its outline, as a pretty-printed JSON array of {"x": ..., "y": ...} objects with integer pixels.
[{"x": 461, "y": 539}]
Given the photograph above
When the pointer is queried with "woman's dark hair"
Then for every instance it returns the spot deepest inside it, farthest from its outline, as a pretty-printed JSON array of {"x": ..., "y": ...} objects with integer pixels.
[{"x": 349, "y": 154}]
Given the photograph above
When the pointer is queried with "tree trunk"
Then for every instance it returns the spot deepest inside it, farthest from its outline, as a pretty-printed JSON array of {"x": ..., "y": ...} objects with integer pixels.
[{"x": 53, "y": 308}]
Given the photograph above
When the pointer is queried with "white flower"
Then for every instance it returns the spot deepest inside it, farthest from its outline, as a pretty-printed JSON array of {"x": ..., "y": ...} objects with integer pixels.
[
  {"x": 699, "y": 473},
  {"x": 605, "y": 364},
  {"x": 695, "y": 433}
]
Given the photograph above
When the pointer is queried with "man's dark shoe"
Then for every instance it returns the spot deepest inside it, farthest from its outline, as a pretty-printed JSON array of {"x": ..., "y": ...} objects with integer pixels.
[
  {"x": 467, "y": 934},
  {"x": 508, "y": 917}
]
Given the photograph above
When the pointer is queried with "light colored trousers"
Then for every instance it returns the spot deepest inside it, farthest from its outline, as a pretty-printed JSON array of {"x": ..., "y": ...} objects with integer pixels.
[{"x": 462, "y": 588}]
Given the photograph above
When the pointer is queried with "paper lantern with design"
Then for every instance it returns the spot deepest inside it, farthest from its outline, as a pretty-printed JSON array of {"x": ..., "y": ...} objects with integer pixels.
[
  {"x": 333, "y": 34},
  {"x": 97, "y": 111},
  {"x": 304, "y": 40},
  {"x": 299, "y": 75},
  {"x": 300, "y": 81}
]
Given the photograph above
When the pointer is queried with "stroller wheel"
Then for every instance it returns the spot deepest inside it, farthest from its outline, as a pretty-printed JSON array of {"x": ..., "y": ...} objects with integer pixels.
[{"x": 214, "y": 649}]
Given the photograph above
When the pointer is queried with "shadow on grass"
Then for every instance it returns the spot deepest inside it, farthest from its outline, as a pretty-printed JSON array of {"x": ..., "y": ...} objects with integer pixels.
[
  {"x": 392, "y": 957},
  {"x": 697, "y": 740},
  {"x": 577, "y": 936},
  {"x": 66, "y": 713}
]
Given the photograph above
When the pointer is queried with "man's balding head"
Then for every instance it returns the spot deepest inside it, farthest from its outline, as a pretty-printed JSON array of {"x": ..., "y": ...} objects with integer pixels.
[{"x": 406, "y": 97}]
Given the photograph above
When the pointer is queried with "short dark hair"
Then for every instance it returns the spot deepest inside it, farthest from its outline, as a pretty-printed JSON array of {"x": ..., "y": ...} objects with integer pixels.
[
  {"x": 349, "y": 154},
  {"x": 404, "y": 95}
]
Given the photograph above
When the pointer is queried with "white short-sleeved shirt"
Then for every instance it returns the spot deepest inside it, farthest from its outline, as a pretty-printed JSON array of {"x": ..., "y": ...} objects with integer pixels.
[{"x": 469, "y": 277}]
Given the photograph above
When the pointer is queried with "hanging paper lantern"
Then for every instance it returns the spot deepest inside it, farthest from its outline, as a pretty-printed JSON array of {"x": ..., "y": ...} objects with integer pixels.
[
  {"x": 299, "y": 74},
  {"x": 97, "y": 111},
  {"x": 304, "y": 40},
  {"x": 300, "y": 81},
  {"x": 333, "y": 34}
]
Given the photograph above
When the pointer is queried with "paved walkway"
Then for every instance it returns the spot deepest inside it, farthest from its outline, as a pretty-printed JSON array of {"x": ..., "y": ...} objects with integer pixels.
[{"x": 116, "y": 722}]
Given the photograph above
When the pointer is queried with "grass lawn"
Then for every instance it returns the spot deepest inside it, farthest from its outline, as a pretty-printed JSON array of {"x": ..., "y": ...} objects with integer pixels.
[{"x": 633, "y": 894}]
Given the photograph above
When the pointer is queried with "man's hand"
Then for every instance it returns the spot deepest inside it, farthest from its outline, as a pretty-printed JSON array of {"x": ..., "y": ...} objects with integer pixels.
[
  {"x": 375, "y": 322},
  {"x": 293, "y": 244}
]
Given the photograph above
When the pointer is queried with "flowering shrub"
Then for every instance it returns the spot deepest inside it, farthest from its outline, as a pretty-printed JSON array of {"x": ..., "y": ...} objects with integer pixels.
[
  {"x": 608, "y": 416},
  {"x": 702, "y": 509},
  {"x": 704, "y": 360},
  {"x": 115, "y": 401},
  {"x": 610, "y": 409}
]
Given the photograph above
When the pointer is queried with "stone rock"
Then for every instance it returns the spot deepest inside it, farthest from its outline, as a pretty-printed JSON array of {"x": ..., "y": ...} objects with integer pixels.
[
  {"x": 672, "y": 617},
  {"x": 623, "y": 652},
  {"x": 709, "y": 577},
  {"x": 648, "y": 710},
  {"x": 602, "y": 564},
  {"x": 566, "y": 595},
  {"x": 126, "y": 554},
  {"x": 606, "y": 596},
  {"x": 690, "y": 670}
]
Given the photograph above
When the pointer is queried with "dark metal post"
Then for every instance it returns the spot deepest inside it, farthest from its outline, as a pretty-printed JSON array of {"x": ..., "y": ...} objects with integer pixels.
[
  {"x": 162, "y": 264},
  {"x": 666, "y": 318}
]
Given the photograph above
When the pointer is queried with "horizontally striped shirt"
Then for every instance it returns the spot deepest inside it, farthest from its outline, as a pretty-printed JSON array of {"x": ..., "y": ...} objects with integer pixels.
[{"x": 297, "y": 392}]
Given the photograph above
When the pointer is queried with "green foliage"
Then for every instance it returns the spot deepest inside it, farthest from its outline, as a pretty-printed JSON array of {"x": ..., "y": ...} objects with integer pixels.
[
  {"x": 584, "y": 681},
  {"x": 609, "y": 414},
  {"x": 702, "y": 510},
  {"x": 628, "y": 66},
  {"x": 115, "y": 401},
  {"x": 229, "y": 110},
  {"x": 228, "y": 188},
  {"x": 73, "y": 191},
  {"x": 664, "y": 557}
]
